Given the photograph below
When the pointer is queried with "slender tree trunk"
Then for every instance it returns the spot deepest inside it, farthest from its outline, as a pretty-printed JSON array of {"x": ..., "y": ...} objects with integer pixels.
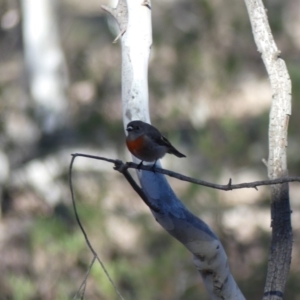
[
  {"x": 45, "y": 63},
  {"x": 209, "y": 256},
  {"x": 281, "y": 244}
]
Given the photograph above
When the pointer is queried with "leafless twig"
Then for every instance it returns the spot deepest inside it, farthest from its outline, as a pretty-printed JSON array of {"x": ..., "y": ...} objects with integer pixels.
[
  {"x": 87, "y": 239},
  {"x": 81, "y": 290},
  {"x": 120, "y": 166}
]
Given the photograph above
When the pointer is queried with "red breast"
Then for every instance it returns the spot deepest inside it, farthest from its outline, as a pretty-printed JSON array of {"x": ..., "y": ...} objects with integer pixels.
[{"x": 135, "y": 146}]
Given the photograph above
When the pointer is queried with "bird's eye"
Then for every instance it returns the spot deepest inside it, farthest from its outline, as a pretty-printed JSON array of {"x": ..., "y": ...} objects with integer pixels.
[{"x": 137, "y": 127}]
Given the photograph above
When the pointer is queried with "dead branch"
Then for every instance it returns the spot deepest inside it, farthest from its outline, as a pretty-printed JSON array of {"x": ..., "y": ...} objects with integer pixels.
[
  {"x": 122, "y": 167},
  {"x": 95, "y": 255}
]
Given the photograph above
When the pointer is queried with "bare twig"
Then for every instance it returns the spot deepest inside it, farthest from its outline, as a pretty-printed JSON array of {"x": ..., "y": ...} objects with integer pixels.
[
  {"x": 227, "y": 187},
  {"x": 123, "y": 168},
  {"x": 86, "y": 237},
  {"x": 120, "y": 13},
  {"x": 81, "y": 290}
]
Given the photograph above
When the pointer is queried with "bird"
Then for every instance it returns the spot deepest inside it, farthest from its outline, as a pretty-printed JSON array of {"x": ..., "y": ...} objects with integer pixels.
[{"x": 146, "y": 142}]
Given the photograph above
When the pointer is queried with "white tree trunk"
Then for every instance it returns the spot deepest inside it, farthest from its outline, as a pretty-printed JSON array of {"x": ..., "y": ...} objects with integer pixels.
[
  {"x": 209, "y": 256},
  {"x": 282, "y": 236},
  {"x": 45, "y": 63}
]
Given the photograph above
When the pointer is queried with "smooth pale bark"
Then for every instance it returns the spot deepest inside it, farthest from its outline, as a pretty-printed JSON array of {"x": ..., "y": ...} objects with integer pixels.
[
  {"x": 45, "y": 63},
  {"x": 48, "y": 80},
  {"x": 209, "y": 256},
  {"x": 282, "y": 239}
]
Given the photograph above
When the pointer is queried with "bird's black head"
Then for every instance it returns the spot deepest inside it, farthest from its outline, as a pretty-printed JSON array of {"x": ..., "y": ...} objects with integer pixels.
[{"x": 135, "y": 126}]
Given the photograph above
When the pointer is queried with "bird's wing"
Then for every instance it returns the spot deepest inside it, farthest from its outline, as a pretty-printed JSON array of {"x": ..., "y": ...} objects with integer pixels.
[{"x": 163, "y": 141}]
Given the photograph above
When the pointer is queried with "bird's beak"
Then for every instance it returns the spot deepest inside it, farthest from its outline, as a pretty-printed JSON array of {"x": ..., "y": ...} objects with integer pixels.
[{"x": 129, "y": 128}]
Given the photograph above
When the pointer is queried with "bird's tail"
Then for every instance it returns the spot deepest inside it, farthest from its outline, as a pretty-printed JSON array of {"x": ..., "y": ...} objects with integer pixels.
[{"x": 172, "y": 150}]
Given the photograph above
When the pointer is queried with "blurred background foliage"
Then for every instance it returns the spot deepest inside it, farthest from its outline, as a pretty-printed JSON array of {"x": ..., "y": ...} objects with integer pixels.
[{"x": 209, "y": 93}]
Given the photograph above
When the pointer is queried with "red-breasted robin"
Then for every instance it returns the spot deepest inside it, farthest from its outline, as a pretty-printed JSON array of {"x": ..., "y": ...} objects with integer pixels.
[{"x": 146, "y": 142}]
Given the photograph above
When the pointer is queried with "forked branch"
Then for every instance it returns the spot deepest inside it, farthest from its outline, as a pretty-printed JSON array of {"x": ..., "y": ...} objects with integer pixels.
[{"x": 123, "y": 167}]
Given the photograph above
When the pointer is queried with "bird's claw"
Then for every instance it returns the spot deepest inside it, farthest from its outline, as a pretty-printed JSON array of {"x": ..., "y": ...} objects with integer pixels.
[
  {"x": 153, "y": 167},
  {"x": 139, "y": 165}
]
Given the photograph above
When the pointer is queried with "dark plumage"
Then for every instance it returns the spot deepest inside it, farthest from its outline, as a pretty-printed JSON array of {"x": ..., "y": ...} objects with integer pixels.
[{"x": 146, "y": 142}]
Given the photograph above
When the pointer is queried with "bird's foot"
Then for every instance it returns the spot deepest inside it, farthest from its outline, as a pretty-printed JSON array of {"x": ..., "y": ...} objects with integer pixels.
[
  {"x": 153, "y": 167},
  {"x": 139, "y": 165}
]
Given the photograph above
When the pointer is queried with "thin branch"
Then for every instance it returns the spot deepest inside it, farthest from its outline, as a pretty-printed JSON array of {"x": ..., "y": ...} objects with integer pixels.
[
  {"x": 123, "y": 168},
  {"x": 119, "y": 165},
  {"x": 120, "y": 13},
  {"x": 84, "y": 233},
  {"x": 83, "y": 284}
]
